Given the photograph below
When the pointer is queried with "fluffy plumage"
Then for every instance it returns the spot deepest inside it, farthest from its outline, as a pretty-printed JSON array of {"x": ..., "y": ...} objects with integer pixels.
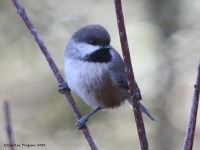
[{"x": 94, "y": 70}]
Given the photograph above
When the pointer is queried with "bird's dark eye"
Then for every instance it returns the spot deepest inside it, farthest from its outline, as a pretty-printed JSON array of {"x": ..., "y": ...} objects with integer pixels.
[{"x": 93, "y": 42}]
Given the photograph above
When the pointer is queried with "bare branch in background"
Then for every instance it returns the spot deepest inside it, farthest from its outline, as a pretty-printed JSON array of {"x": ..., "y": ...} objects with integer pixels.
[
  {"x": 22, "y": 13},
  {"x": 9, "y": 129},
  {"x": 189, "y": 139},
  {"x": 130, "y": 76}
]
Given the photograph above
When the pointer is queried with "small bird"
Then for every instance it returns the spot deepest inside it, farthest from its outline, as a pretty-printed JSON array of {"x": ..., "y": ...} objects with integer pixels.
[{"x": 95, "y": 71}]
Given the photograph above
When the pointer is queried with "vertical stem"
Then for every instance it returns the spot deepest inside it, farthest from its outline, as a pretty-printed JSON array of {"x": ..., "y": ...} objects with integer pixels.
[
  {"x": 130, "y": 76},
  {"x": 54, "y": 68},
  {"x": 189, "y": 138},
  {"x": 9, "y": 129}
]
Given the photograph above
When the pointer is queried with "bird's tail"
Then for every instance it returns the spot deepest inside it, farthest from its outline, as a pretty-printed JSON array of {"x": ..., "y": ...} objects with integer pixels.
[{"x": 145, "y": 111}]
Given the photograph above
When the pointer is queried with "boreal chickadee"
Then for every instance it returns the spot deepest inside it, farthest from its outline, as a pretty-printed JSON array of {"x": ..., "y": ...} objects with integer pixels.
[{"x": 95, "y": 71}]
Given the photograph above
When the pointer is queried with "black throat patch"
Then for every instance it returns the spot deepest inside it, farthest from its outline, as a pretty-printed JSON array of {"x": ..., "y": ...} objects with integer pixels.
[{"x": 102, "y": 56}]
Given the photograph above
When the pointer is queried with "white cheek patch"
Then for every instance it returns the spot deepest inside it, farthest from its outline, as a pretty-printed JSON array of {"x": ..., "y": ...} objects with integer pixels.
[{"x": 86, "y": 49}]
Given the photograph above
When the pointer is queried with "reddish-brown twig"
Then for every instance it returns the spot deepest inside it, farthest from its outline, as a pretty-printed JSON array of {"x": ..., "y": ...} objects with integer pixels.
[
  {"x": 189, "y": 139},
  {"x": 8, "y": 125},
  {"x": 130, "y": 76},
  {"x": 22, "y": 13}
]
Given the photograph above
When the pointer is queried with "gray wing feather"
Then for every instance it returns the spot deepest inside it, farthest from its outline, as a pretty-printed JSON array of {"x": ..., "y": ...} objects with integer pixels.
[
  {"x": 118, "y": 72},
  {"x": 119, "y": 77}
]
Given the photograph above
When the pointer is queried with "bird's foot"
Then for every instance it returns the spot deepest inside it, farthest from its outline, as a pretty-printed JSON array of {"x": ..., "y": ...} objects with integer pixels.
[
  {"x": 63, "y": 86},
  {"x": 81, "y": 122}
]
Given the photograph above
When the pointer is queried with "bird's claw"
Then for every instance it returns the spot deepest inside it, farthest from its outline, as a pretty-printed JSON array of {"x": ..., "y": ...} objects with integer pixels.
[
  {"x": 63, "y": 86},
  {"x": 81, "y": 122}
]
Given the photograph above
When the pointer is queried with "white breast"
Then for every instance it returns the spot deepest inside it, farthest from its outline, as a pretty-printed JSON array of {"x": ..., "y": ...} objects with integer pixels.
[{"x": 84, "y": 78}]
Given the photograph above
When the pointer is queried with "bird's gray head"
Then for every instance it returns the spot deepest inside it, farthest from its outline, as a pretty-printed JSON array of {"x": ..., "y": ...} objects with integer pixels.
[
  {"x": 92, "y": 34},
  {"x": 90, "y": 43}
]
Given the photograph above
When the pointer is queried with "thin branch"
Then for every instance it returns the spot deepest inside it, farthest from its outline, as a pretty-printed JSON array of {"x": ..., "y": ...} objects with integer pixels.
[
  {"x": 22, "y": 13},
  {"x": 189, "y": 138},
  {"x": 8, "y": 125},
  {"x": 130, "y": 76}
]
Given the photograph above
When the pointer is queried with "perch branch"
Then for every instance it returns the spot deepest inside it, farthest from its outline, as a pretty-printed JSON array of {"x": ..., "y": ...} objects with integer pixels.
[
  {"x": 8, "y": 125},
  {"x": 54, "y": 68},
  {"x": 189, "y": 138},
  {"x": 130, "y": 76}
]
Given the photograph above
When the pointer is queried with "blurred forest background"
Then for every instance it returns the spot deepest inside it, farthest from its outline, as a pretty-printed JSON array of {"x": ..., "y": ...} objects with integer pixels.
[{"x": 165, "y": 48}]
